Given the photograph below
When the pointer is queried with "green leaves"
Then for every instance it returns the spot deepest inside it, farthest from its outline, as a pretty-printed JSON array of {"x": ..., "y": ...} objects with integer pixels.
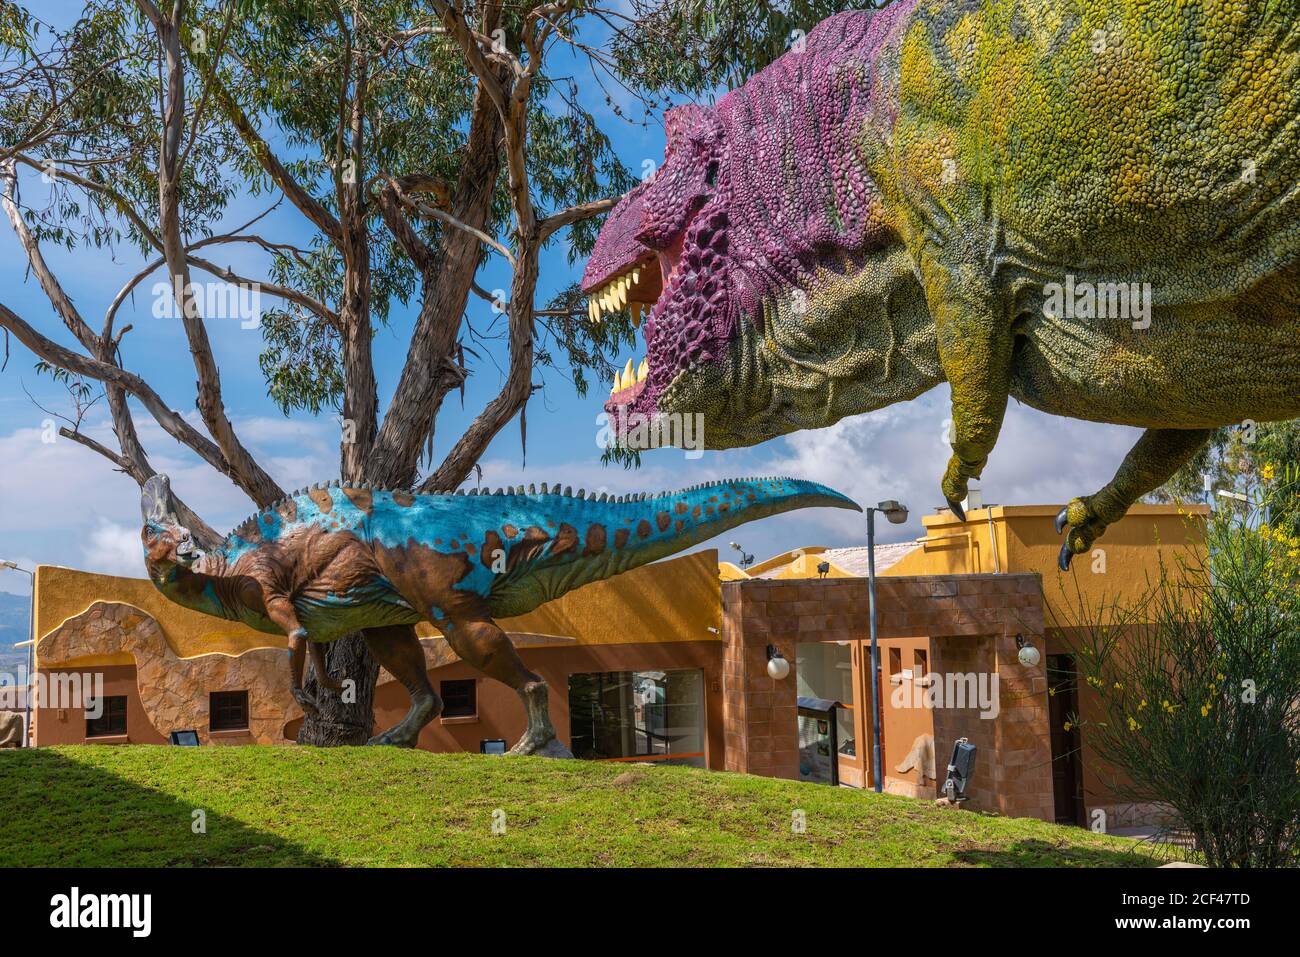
[{"x": 694, "y": 46}]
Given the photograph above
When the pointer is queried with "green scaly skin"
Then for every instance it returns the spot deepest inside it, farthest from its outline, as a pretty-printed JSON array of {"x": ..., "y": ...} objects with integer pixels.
[{"x": 1009, "y": 147}]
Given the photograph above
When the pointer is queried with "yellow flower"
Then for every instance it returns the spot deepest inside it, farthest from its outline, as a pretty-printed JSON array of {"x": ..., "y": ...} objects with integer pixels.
[
  {"x": 1118, "y": 686},
  {"x": 1267, "y": 472},
  {"x": 1205, "y": 711},
  {"x": 1068, "y": 726},
  {"x": 1142, "y": 704},
  {"x": 1133, "y": 725}
]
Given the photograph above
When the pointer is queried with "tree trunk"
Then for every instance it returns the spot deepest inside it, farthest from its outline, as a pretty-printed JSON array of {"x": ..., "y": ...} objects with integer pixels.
[{"x": 341, "y": 721}]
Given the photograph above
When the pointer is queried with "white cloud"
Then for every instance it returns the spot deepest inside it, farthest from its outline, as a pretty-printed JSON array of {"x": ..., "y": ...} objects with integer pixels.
[
  {"x": 113, "y": 549},
  {"x": 63, "y": 504}
]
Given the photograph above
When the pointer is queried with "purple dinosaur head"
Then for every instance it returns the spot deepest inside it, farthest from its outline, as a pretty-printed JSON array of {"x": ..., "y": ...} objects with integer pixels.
[{"x": 761, "y": 246}]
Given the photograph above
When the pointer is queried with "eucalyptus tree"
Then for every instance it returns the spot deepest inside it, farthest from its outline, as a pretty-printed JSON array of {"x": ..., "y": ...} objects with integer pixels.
[{"x": 414, "y": 139}]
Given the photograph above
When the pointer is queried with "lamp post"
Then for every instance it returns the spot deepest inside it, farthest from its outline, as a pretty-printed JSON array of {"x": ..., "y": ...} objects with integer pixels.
[
  {"x": 31, "y": 644},
  {"x": 897, "y": 515}
]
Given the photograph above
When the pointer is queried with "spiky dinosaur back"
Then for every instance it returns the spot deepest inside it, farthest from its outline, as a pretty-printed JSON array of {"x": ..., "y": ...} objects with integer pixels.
[{"x": 512, "y": 549}]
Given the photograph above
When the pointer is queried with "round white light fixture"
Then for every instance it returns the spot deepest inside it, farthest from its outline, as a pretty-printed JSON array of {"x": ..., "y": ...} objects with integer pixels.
[
  {"x": 777, "y": 667},
  {"x": 1029, "y": 655}
]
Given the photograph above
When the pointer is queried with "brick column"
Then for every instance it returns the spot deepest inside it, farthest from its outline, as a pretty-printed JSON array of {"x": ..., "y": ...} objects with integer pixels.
[
  {"x": 759, "y": 714},
  {"x": 1013, "y": 770}
]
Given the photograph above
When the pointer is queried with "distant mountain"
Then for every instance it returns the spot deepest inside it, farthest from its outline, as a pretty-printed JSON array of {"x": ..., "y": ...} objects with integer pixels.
[{"x": 14, "y": 627}]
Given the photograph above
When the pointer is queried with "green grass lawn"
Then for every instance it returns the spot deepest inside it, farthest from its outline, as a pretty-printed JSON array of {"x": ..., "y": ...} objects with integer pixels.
[{"x": 133, "y": 806}]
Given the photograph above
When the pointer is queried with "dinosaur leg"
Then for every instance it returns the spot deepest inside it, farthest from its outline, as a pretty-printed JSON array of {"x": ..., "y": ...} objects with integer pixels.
[
  {"x": 297, "y": 661},
  {"x": 482, "y": 645},
  {"x": 398, "y": 650},
  {"x": 975, "y": 350},
  {"x": 281, "y": 611},
  {"x": 1159, "y": 453}
]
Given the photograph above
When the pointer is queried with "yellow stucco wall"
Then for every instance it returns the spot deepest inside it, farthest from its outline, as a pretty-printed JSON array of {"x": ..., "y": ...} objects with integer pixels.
[
  {"x": 674, "y": 600},
  {"x": 1027, "y": 541}
]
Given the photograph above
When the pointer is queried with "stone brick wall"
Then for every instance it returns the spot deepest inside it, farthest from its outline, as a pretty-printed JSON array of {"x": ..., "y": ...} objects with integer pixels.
[{"x": 972, "y": 621}]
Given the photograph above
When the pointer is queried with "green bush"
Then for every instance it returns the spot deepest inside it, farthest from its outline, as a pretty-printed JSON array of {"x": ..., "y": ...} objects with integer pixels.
[{"x": 1199, "y": 687}]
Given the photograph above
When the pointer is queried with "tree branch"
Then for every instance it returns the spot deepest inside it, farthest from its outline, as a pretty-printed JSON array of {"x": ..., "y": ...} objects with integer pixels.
[
  {"x": 248, "y": 473},
  {"x": 172, "y": 422},
  {"x": 204, "y": 534},
  {"x": 573, "y": 214}
]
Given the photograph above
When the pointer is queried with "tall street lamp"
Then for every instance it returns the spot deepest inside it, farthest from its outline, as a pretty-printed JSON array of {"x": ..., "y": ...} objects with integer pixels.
[
  {"x": 897, "y": 515},
  {"x": 30, "y": 643}
]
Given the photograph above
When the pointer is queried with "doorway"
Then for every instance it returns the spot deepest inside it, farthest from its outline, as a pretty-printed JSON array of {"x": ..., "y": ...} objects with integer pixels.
[
  {"x": 1067, "y": 759},
  {"x": 829, "y": 670}
]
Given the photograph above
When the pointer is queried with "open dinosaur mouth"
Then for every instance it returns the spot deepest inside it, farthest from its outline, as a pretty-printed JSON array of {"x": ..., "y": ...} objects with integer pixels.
[
  {"x": 637, "y": 289},
  {"x": 675, "y": 292}
]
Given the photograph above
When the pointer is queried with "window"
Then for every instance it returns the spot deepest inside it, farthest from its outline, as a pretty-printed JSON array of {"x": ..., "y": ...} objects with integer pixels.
[
  {"x": 111, "y": 721},
  {"x": 648, "y": 715},
  {"x": 228, "y": 711},
  {"x": 920, "y": 663},
  {"x": 459, "y": 698}
]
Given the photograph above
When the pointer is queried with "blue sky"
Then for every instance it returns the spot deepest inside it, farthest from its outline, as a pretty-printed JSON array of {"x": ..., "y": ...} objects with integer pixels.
[{"x": 62, "y": 504}]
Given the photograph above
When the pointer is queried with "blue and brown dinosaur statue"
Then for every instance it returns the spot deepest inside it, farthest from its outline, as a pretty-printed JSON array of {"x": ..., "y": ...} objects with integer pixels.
[
  {"x": 1091, "y": 206},
  {"x": 336, "y": 559}
]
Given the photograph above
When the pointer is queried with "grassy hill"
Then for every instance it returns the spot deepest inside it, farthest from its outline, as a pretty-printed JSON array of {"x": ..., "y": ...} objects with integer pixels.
[{"x": 133, "y": 805}]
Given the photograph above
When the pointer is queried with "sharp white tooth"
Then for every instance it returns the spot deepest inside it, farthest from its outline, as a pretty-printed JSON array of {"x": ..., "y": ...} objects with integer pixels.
[
  {"x": 593, "y": 311},
  {"x": 636, "y": 276},
  {"x": 618, "y": 382},
  {"x": 620, "y": 294},
  {"x": 629, "y": 374},
  {"x": 643, "y": 370}
]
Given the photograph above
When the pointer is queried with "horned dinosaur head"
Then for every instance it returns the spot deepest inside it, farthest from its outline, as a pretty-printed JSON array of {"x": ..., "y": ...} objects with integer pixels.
[{"x": 166, "y": 541}]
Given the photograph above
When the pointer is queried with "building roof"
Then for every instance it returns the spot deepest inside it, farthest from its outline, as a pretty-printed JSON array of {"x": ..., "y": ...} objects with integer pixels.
[
  {"x": 850, "y": 562},
  {"x": 853, "y": 560}
]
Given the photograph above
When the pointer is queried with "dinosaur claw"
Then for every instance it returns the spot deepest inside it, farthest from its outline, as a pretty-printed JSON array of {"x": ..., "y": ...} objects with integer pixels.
[
  {"x": 1062, "y": 519},
  {"x": 1066, "y": 556},
  {"x": 957, "y": 510}
]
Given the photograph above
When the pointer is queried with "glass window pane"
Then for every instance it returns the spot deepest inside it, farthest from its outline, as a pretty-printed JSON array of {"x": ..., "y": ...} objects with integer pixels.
[{"x": 651, "y": 715}]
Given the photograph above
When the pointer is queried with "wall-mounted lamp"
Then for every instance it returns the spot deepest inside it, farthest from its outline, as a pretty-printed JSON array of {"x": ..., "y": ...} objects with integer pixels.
[
  {"x": 1029, "y": 655},
  {"x": 777, "y": 667}
]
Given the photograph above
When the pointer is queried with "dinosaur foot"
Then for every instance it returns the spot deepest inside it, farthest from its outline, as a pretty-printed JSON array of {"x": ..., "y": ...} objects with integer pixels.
[
  {"x": 550, "y": 748},
  {"x": 955, "y": 481},
  {"x": 397, "y": 736},
  {"x": 1084, "y": 529},
  {"x": 306, "y": 702}
]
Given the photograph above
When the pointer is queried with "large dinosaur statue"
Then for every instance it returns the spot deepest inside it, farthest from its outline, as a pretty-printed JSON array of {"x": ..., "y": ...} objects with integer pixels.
[
  {"x": 331, "y": 560},
  {"x": 1092, "y": 206}
]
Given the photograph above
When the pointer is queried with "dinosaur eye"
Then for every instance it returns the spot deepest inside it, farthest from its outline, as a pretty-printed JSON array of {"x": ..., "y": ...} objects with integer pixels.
[{"x": 711, "y": 175}]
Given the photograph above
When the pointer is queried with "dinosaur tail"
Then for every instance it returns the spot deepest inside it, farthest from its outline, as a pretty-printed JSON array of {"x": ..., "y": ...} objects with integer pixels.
[{"x": 602, "y": 538}]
